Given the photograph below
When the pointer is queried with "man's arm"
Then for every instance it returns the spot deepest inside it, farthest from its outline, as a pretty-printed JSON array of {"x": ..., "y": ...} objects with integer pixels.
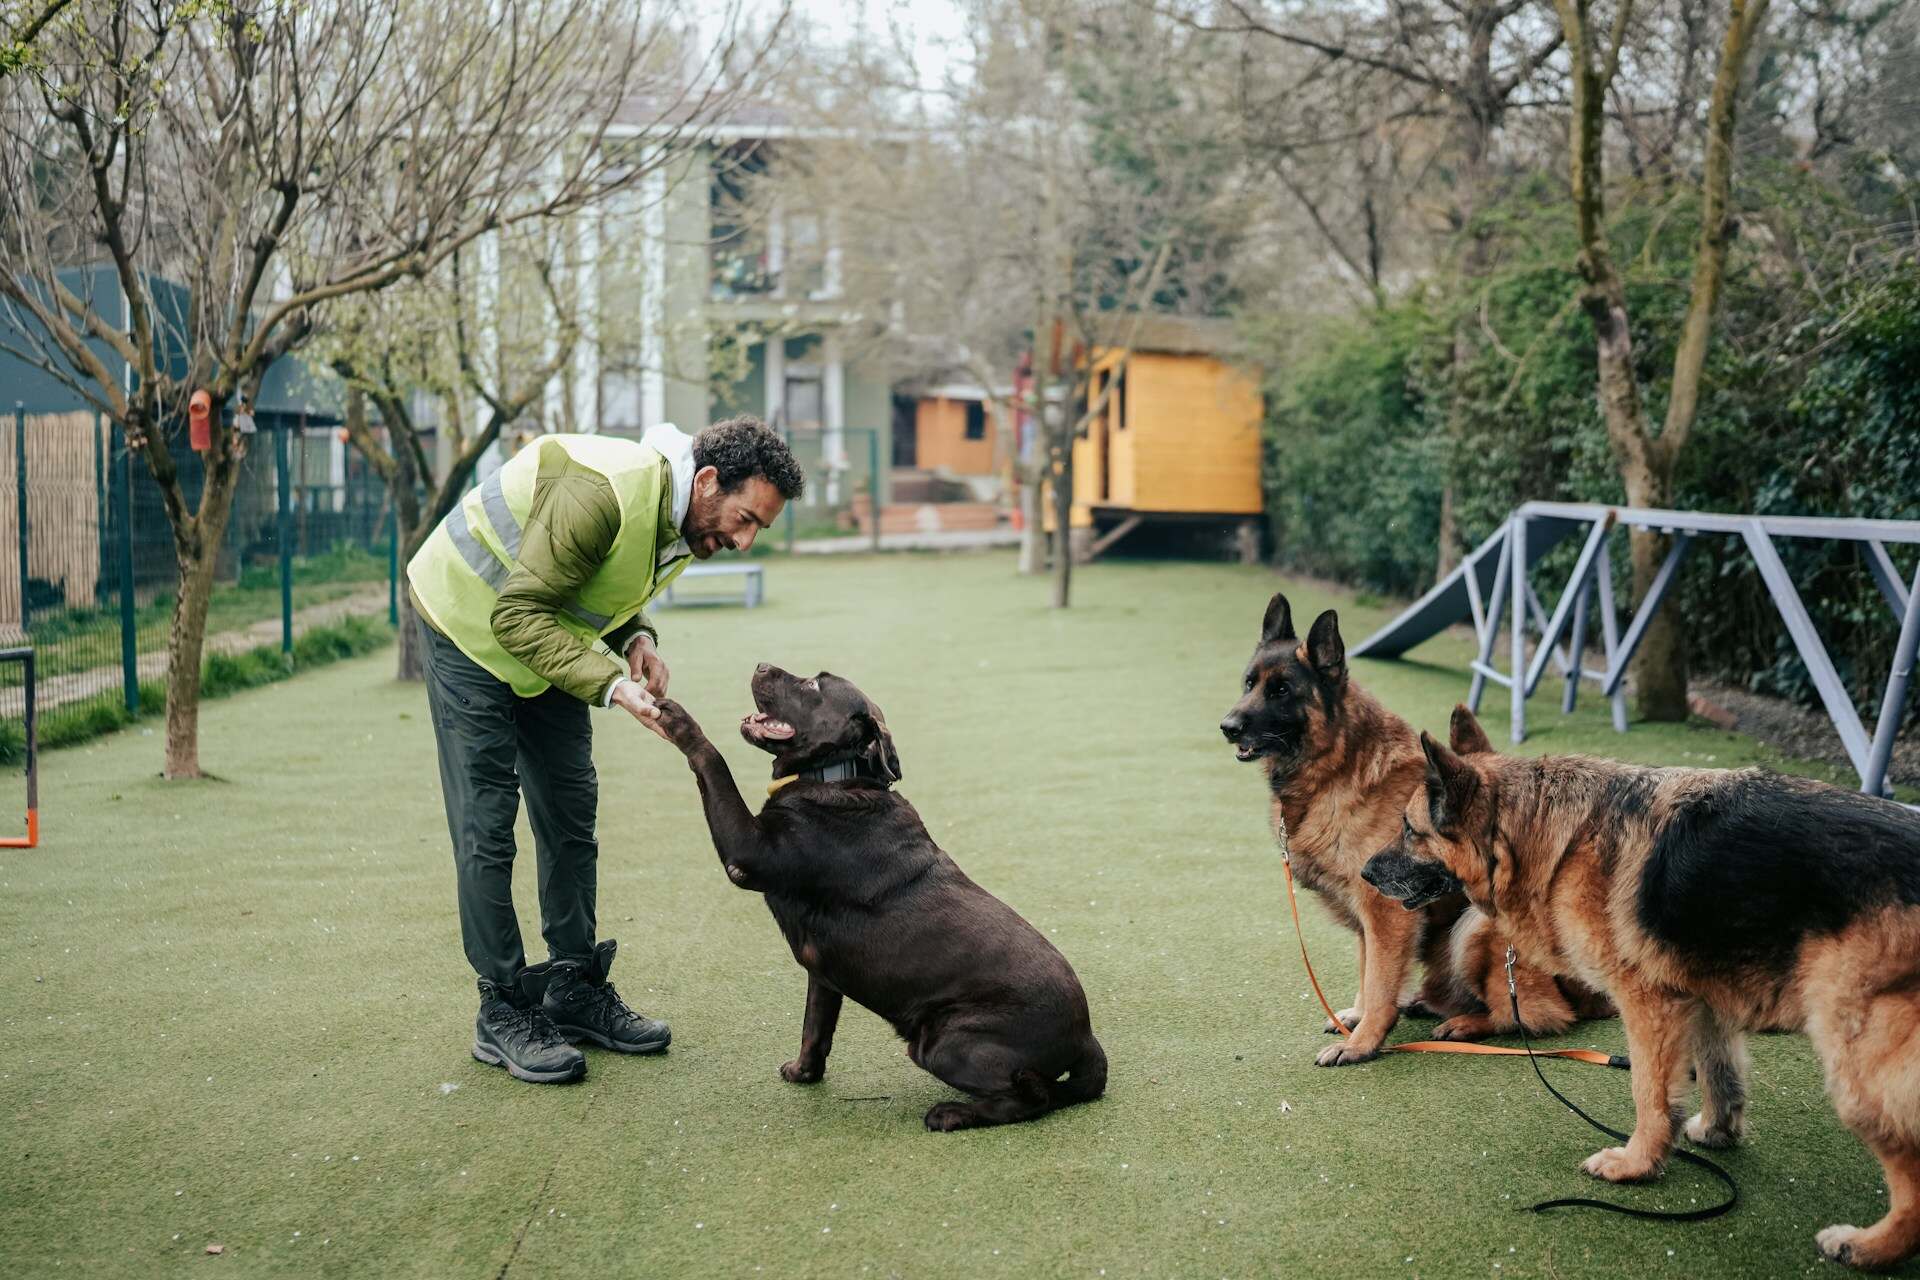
[{"x": 569, "y": 531}]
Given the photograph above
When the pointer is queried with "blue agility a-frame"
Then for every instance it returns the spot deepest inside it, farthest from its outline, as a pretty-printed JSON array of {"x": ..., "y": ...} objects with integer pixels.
[{"x": 1495, "y": 575}]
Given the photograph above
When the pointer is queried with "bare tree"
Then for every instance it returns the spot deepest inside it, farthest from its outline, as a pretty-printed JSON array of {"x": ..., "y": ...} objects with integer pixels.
[
  {"x": 435, "y": 344},
  {"x": 1462, "y": 62},
  {"x": 1647, "y": 458},
  {"x": 238, "y": 168}
]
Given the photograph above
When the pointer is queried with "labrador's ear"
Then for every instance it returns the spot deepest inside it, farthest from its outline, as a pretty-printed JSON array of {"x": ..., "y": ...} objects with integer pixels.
[{"x": 880, "y": 752}]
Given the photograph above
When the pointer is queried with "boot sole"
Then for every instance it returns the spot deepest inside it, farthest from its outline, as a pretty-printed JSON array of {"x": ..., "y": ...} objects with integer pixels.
[
  {"x": 574, "y": 1035},
  {"x": 483, "y": 1054}
]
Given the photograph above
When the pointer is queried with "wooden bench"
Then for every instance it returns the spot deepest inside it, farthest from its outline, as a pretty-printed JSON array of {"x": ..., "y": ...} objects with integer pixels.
[{"x": 752, "y": 585}]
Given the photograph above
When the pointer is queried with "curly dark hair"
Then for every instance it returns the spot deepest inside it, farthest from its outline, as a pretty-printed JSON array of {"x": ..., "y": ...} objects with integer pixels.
[{"x": 743, "y": 447}]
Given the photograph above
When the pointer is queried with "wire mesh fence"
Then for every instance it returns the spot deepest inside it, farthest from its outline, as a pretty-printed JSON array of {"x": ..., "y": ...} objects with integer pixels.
[{"x": 89, "y": 569}]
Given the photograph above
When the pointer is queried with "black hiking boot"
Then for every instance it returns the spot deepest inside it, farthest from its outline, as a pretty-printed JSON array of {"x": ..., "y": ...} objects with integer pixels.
[
  {"x": 514, "y": 1032},
  {"x": 584, "y": 1006}
]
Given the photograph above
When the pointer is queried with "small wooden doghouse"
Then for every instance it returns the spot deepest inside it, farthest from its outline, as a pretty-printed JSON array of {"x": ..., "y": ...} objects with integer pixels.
[{"x": 1179, "y": 441}]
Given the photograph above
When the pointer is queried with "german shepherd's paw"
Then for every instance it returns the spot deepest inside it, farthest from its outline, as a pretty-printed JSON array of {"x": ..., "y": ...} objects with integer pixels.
[
  {"x": 1852, "y": 1246},
  {"x": 1344, "y": 1055},
  {"x": 1419, "y": 1008},
  {"x": 1617, "y": 1164},
  {"x": 1468, "y": 1026},
  {"x": 1724, "y": 1133},
  {"x": 798, "y": 1072},
  {"x": 1351, "y": 1017}
]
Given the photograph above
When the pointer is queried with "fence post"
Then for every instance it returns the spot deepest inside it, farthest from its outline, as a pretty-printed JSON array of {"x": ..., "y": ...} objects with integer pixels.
[
  {"x": 873, "y": 483},
  {"x": 129, "y": 629},
  {"x": 285, "y": 539},
  {"x": 786, "y": 433},
  {"x": 20, "y": 487},
  {"x": 99, "y": 499},
  {"x": 393, "y": 565}
]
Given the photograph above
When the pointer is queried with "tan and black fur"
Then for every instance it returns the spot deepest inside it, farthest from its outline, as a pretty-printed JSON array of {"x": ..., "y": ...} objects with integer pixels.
[
  {"x": 1340, "y": 767},
  {"x": 1550, "y": 1004},
  {"x": 1707, "y": 903}
]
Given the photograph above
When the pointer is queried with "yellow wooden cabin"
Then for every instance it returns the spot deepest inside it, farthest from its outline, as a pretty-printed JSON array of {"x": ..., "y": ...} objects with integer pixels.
[{"x": 1179, "y": 440}]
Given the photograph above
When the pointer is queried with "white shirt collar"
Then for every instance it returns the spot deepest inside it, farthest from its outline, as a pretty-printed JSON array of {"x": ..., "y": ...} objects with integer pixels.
[{"x": 676, "y": 446}]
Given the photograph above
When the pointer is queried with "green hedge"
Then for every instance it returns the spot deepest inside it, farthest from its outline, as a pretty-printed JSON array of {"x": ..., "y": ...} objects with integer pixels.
[{"x": 1809, "y": 408}]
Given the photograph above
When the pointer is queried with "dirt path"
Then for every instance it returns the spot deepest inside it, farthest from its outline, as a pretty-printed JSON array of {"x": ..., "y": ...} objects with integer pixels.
[{"x": 77, "y": 686}]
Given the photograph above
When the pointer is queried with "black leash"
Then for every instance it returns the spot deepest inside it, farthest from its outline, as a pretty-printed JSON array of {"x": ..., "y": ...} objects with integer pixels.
[{"x": 1664, "y": 1215}]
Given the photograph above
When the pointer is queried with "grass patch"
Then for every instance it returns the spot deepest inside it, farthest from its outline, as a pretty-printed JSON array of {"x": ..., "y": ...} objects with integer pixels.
[{"x": 242, "y": 1013}]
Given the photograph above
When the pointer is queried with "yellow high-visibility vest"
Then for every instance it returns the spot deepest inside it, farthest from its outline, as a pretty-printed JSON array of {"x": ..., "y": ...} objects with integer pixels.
[{"x": 459, "y": 572}]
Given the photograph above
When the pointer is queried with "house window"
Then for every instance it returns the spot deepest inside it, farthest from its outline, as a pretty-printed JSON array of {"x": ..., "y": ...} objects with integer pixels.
[
  {"x": 1120, "y": 400},
  {"x": 976, "y": 420}
]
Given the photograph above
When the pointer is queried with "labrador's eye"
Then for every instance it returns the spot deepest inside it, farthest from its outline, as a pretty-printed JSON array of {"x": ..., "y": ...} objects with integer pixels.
[{"x": 1250, "y": 683}]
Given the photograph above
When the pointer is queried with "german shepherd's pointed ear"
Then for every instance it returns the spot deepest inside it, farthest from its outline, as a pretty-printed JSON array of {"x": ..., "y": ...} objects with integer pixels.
[
  {"x": 1325, "y": 649},
  {"x": 1278, "y": 624},
  {"x": 1464, "y": 733},
  {"x": 880, "y": 753},
  {"x": 1452, "y": 786}
]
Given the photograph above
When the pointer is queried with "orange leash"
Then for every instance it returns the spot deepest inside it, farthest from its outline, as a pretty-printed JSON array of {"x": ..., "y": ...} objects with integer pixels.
[{"x": 1593, "y": 1056}]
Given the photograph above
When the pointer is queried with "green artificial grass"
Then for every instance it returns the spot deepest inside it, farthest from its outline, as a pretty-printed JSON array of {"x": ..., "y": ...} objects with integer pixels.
[{"x": 237, "y": 1012}]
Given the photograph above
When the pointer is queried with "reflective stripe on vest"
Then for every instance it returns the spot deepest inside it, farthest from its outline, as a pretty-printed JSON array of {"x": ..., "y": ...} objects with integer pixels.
[
  {"x": 492, "y": 571},
  {"x": 460, "y": 573},
  {"x": 478, "y": 558}
]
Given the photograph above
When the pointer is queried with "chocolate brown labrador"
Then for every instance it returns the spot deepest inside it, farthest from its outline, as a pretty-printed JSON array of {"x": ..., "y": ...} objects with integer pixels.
[{"x": 874, "y": 910}]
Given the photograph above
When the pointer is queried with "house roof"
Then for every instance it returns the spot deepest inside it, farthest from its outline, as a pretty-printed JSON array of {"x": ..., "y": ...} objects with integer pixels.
[{"x": 1184, "y": 335}]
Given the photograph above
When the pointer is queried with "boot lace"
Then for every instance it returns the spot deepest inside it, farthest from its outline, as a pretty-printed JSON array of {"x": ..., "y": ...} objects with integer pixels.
[
  {"x": 532, "y": 1024},
  {"x": 606, "y": 1002}
]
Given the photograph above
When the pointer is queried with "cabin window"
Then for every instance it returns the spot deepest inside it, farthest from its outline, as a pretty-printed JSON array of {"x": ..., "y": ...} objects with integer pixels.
[
  {"x": 1120, "y": 399},
  {"x": 976, "y": 420}
]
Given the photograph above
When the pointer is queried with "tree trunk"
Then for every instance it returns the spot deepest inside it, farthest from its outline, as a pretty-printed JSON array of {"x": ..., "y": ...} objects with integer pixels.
[
  {"x": 1659, "y": 670},
  {"x": 1063, "y": 527},
  {"x": 1033, "y": 533},
  {"x": 409, "y": 664},
  {"x": 185, "y": 642}
]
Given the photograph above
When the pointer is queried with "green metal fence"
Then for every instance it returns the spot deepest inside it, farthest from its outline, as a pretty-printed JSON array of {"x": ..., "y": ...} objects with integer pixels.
[{"x": 90, "y": 568}]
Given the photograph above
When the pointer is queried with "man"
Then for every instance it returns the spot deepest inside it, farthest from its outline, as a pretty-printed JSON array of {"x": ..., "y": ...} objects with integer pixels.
[{"x": 525, "y": 592}]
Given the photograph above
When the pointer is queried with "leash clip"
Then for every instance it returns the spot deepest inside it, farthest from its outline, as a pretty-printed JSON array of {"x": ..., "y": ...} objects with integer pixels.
[{"x": 1512, "y": 988}]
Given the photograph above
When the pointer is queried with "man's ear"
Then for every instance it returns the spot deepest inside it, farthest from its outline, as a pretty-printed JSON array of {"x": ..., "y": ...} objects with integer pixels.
[
  {"x": 1452, "y": 786},
  {"x": 1278, "y": 623},
  {"x": 1325, "y": 649},
  {"x": 880, "y": 752},
  {"x": 1464, "y": 733}
]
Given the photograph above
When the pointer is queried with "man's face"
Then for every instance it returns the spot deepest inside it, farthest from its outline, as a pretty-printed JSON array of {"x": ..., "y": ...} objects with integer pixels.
[{"x": 719, "y": 521}]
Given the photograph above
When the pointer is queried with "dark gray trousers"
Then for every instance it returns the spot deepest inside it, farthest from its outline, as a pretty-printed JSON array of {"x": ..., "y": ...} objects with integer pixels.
[{"x": 495, "y": 746}]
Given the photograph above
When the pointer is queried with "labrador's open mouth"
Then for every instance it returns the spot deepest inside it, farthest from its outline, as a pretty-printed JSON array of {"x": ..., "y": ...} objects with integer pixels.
[{"x": 762, "y": 727}]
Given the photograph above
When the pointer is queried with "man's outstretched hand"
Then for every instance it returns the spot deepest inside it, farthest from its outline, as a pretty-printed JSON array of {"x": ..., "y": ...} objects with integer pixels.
[{"x": 646, "y": 666}]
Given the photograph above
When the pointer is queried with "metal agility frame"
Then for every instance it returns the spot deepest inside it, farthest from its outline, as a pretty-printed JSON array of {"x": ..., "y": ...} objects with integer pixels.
[
  {"x": 32, "y": 838},
  {"x": 1495, "y": 577}
]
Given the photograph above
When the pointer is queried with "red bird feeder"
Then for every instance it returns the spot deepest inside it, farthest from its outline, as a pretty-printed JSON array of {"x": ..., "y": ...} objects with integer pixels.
[{"x": 200, "y": 421}]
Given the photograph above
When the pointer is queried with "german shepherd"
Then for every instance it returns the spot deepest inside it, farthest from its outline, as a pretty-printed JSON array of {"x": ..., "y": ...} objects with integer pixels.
[
  {"x": 1708, "y": 903},
  {"x": 1339, "y": 770},
  {"x": 1550, "y": 1003}
]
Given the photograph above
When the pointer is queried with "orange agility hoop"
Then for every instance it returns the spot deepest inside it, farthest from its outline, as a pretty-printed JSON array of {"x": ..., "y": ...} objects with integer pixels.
[{"x": 24, "y": 656}]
